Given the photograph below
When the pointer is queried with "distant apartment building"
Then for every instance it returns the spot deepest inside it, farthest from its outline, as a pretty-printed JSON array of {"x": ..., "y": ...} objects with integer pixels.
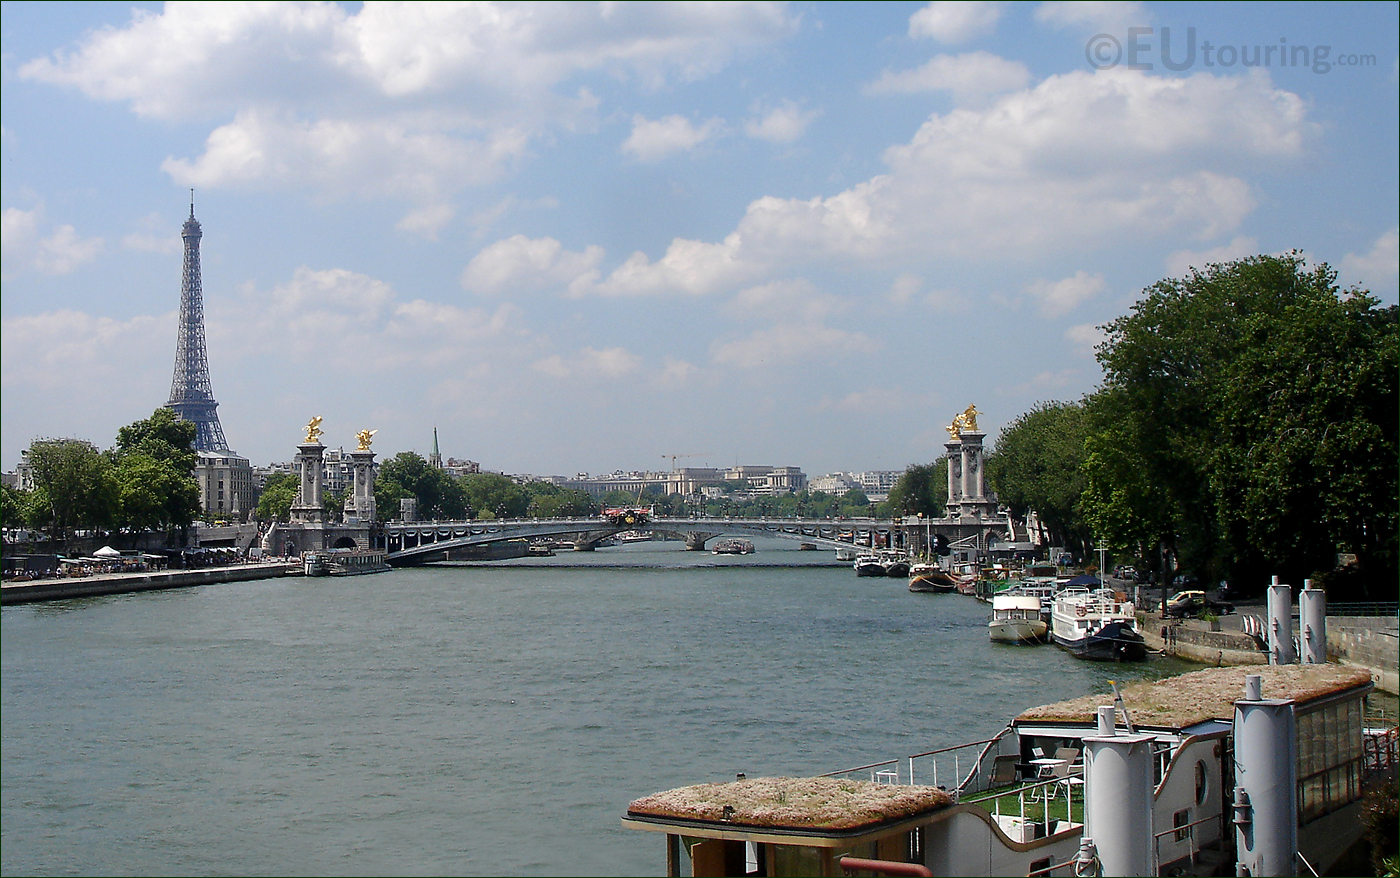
[
  {"x": 835, "y": 483},
  {"x": 875, "y": 484},
  {"x": 454, "y": 467},
  {"x": 225, "y": 485},
  {"x": 691, "y": 480}
]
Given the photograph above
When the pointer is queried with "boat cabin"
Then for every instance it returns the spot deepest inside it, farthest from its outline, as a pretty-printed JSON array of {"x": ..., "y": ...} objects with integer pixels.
[
  {"x": 1014, "y": 804},
  {"x": 787, "y": 825}
]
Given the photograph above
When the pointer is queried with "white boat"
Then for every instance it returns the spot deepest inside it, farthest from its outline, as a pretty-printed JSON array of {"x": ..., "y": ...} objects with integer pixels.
[
  {"x": 344, "y": 562},
  {"x": 869, "y": 564},
  {"x": 896, "y": 564},
  {"x": 735, "y": 546},
  {"x": 1016, "y": 618},
  {"x": 1171, "y": 759},
  {"x": 1094, "y": 624}
]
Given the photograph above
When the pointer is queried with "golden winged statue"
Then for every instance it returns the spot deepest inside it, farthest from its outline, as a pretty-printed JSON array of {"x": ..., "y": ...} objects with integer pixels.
[
  {"x": 969, "y": 417},
  {"x": 365, "y": 437},
  {"x": 313, "y": 429}
]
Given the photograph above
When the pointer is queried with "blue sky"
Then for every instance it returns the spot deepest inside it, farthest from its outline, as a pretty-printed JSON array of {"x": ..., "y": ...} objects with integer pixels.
[{"x": 587, "y": 237}]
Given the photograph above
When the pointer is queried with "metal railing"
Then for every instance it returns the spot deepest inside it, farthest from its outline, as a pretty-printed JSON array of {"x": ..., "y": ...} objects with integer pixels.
[
  {"x": 1189, "y": 829},
  {"x": 879, "y": 772},
  {"x": 1041, "y": 793},
  {"x": 960, "y": 781},
  {"x": 1363, "y": 608}
]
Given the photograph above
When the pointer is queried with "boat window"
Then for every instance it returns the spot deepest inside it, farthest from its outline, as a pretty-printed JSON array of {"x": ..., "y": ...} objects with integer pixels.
[
  {"x": 1179, "y": 821},
  {"x": 1202, "y": 782},
  {"x": 1329, "y": 758}
]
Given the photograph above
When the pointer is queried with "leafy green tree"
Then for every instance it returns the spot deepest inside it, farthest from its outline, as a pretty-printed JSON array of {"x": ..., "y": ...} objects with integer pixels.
[
  {"x": 407, "y": 474},
  {"x": 12, "y": 502},
  {"x": 73, "y": 487},
  {"x": 1036, "y": 466},
  {"x": 921, "y": 488},
  {"x": 548, "y": 500},
  {"x": 854, "y": 504},
  {"x": 152, "y": 494},
  {"x": 278, "y": 494},
  {"x": 1247, "y": 424},
  {"x": 491, "y": 495},
  {"x": 153, "y": 463},
  {"x": 163, "y": 437},
  {"x": 333, "y": 503}
]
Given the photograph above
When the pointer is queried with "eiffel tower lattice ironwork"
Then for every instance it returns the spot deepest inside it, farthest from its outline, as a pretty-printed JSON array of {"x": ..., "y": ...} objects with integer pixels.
[{"x": 190, "y": 396}]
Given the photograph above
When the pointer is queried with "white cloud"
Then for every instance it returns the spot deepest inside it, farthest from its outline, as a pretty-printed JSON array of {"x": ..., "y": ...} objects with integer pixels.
[
  {"x": 27, "y": 246},
  {"x": 1078, "y": 160},
  {"x": 788, "y": 343},
  {"x": 675, "y": 373},
  {"x": 905, "y": 288},
  {"x": 408, "y": 101},
  {"x": 690, "y": 267},
  {"x": 43, "y": 351},
  {"x": 527, "y": 265},
  {"x": 193, "y": 60},
  {"x": 1085, "y": 336},
  {"x": 1378, "y": 269},
  {"x": 590, "y": 364},
  {"x": 791, "y": 316},
  {"x": 1061, "y": 296},
  {"x": 1181, "y": 262},
  {"x": 1082, "y": 160},
  {"x": 1108, "y": 16},
  {"x": 418, "y": 158},
  {"x": 969, "y": 77},
  {"x": 427, "y": 221},
  {"x": 955, "y": 21},
  {"x": 654, "y": 139},
  {"x": 782, "y": 124}
]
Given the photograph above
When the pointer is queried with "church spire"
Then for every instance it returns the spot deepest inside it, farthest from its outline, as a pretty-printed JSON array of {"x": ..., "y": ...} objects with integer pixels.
[{"x": 435, "y": 458}]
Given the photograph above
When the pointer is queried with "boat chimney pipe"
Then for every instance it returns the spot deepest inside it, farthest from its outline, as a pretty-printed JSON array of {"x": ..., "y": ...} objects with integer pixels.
[
  {"x": 1266, "y": 771},
  {"x": 1118, "y": 801},
  {"x": 1312, "y": 617},
  {"x": 1107, "y": 724},
  {"x": 1253, "y": 687},
  {"x": 1281, "y": 650}
]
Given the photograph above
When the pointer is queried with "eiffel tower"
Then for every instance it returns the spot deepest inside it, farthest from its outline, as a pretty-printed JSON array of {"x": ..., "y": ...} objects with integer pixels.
[{"x": 190, "y": 396}]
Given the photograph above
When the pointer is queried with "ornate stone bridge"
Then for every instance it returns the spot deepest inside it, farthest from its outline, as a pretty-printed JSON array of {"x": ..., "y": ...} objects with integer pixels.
[{"x": 421, "y": 542}]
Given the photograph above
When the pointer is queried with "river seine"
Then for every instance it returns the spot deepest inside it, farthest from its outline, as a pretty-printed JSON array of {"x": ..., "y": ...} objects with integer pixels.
[{"x": 474, "y": 720}]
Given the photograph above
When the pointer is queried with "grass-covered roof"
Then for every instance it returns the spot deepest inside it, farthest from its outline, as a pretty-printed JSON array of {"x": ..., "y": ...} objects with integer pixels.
[
  {"x": 1179, "y": 702},
  {"x": 797, "y": 803}
]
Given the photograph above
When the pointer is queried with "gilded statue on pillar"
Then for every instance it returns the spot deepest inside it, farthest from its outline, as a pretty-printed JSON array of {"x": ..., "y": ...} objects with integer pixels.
[
  {"x": 313, "y": 430},
  {"x": 969, "y": 417},
  {"x": 963, "y": 420},
  {"x": 365, "y": 437}
]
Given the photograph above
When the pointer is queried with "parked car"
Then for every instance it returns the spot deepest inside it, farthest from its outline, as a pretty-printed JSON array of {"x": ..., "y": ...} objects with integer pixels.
[
  {"x": 1193, "y": 602},
  {"x": 1125, "y": 572}
]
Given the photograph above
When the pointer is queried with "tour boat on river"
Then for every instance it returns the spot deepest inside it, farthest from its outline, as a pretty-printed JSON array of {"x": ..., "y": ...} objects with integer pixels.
[
  {"x": 1096, "y": 625},
  {"x": 1016, "y": 618},
  {"x": 931, "y": 577},
  {"x": 344, "y": 562}
]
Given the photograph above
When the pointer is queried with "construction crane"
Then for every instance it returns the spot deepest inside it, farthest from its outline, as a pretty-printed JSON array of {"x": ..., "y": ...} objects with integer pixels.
[{"x": 675, "y": 457}]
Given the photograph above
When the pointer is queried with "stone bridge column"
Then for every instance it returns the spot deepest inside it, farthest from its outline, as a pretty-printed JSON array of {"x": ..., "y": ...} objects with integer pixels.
[
  {"x": 695, "y": 541},
  {"x": 955, "y": 477},
  {"x": 973, "y": 480},
  {"x": 360, "y": 504},
  {"x": 307, "y": 506}
]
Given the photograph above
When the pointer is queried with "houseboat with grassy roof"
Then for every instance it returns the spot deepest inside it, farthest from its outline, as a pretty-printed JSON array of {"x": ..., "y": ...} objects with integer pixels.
[{"x": 1165, "y": 777}]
